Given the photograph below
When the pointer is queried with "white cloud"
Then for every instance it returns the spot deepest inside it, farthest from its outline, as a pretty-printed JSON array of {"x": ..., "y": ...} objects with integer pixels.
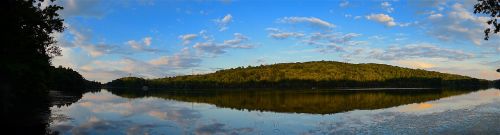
[
  {"x": 435, "y": 16},
  {"x": 473, "y": 70},
  {"x": 227, "y": 18},
  {"x": 387, "y": 7},
  {"x": 353, "y": 17},
  {"x": 285, "y": 35},
  {"x": 331, "y": 42},
  {"x": 224, "y": 21},
  {"x": 143, "y": 46},
  {"x": 422, "y": 50},
  {"x": 81, "y": 38},
  {"x": 204, "y": 35},
  {"x": 324, "y": 41},
  {"x": 106, "y": 70},
  {"x": 134, "y": 44},
  {"x": 71, "y": 58},
  {"x": 311, "y": 20},
  {"x": 457, "y": 24},
  {"x": 214, "y": 48},
  {"x": 238, "y": 38},
  {"x": 382, "y": 18},
  {"x": 278, "y": 34},
  {"x": 180, "y": 60},
  {"x": 147, "y": 41},
  {"x": 81, "y": 54},
  {"x": 335, "y": 38},
  {"x": 87, "y": 8},
  {"x": 344, "y": 4},
  {"x": 416, "y": 64},
  {"x": 211, "y": 47},
  {"x": 187, "y": 38}
]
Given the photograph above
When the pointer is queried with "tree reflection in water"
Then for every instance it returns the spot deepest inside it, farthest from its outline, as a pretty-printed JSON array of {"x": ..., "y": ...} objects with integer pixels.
[{"x": 299, "y": 101}]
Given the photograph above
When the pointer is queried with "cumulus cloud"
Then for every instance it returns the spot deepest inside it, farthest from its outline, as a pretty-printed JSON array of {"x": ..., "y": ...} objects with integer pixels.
[
  {"x": 387, "y": 7},
  {"x": 134, "y": 44},
  {"x": 211, "y": 47},
  {"x": 278, "y": 34},
  {"x": 435, "y": 15},
  {"x": 382, "y": 18},
  {"x": 187, "y": 38},
  {"x": 473, "y": 70},
  {"x": 324, "y": 41},
  {"x": 180, "y": 60},
  {"x": 457, "y": 24},
  {"x": 100, "y": 74},
  {"x": 423, "y": 50},
  {"x": 344, "y": 4},
  {"x": 86, "y": 8},
  {"x": 147, "y": 41},
  {"x": 143, "y": 45},
  {"x": 353, "y": 17},
  {"x": 85, "y": 56},
  {"x": 416, "y": 64},
  {"x": 238, "y": 38},
  {"x": 214, "y": 48},
  {"x": 106, "y": 70},
  {"x": 285, "y": 35},
  {"x": 81, "y": 38},
  {"x": 335, "y": 38},
  {"x": 331, "y": 42},
  {"x": 224, "y": 21},
  {"x": 310, "y": 20}
]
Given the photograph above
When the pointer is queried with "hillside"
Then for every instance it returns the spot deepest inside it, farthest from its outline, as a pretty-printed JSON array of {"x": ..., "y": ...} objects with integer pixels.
[
  {"x": 317, "y": 74},
  {"x": 66, "y": 79}
]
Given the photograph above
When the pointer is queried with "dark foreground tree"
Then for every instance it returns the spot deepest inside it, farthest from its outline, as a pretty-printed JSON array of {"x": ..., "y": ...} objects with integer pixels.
[
  {"x": 491, "y": 8},
  {"x": 26, "y": 50}
]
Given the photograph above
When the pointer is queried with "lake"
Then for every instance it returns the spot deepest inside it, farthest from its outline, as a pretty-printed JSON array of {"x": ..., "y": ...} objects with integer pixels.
[{"x": 378, "y": 111}]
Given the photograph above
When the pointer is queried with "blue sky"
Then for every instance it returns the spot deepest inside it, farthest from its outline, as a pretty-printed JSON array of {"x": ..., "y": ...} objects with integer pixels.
[{"x": 107, "y": 39}]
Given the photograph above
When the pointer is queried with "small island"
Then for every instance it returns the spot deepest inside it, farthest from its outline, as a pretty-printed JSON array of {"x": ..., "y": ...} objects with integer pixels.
[{"x": 306, "y": 75}]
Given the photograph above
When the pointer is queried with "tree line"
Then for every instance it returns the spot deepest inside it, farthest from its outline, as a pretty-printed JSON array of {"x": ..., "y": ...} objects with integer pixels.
[
  {"x": 66, "y": 79},
  {"x": 26, "y": 71},
  {"x": 316, "y": 74}
]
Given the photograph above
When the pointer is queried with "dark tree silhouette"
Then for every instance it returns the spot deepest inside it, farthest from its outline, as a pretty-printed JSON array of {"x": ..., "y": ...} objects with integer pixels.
[
  {"x": 26, "y": 50},
  {"x": 68, "y": 80},
  {"x": 492, "y": 8}
]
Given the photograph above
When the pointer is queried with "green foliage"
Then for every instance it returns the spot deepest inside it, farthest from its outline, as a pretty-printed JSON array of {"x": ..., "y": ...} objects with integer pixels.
[
  {"x": 492, "y": 9},
  {"x": 26, "y": 50},
  {"x": 128, "y": 82},
  {"x": 319, "y": 74}
]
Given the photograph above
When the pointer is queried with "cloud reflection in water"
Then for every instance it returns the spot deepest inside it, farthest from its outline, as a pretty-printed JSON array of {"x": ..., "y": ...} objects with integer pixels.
[{"x": 106, "y": 113}]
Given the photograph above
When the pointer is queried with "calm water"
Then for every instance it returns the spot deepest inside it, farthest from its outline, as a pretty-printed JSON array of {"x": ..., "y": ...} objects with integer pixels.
[{"x": 280, "y": 112}]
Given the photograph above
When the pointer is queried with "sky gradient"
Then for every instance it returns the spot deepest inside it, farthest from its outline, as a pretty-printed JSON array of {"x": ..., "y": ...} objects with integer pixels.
[{"x": 107, "y": 39}]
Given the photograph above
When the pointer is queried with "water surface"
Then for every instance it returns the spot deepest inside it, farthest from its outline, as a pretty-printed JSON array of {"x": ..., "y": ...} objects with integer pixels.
[{"x": 281, "y": 112}]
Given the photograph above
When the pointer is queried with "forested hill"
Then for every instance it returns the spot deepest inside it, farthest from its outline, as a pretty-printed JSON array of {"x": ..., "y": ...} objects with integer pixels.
[
  {"x": 318, "y": 74},
  {"x": 66, "y": 79}
]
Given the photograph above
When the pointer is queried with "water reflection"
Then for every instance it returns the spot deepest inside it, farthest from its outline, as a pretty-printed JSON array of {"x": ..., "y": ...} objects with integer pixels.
[
  {"x": 178, "y": 113},
  {"x": 300, "y": 101}
]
